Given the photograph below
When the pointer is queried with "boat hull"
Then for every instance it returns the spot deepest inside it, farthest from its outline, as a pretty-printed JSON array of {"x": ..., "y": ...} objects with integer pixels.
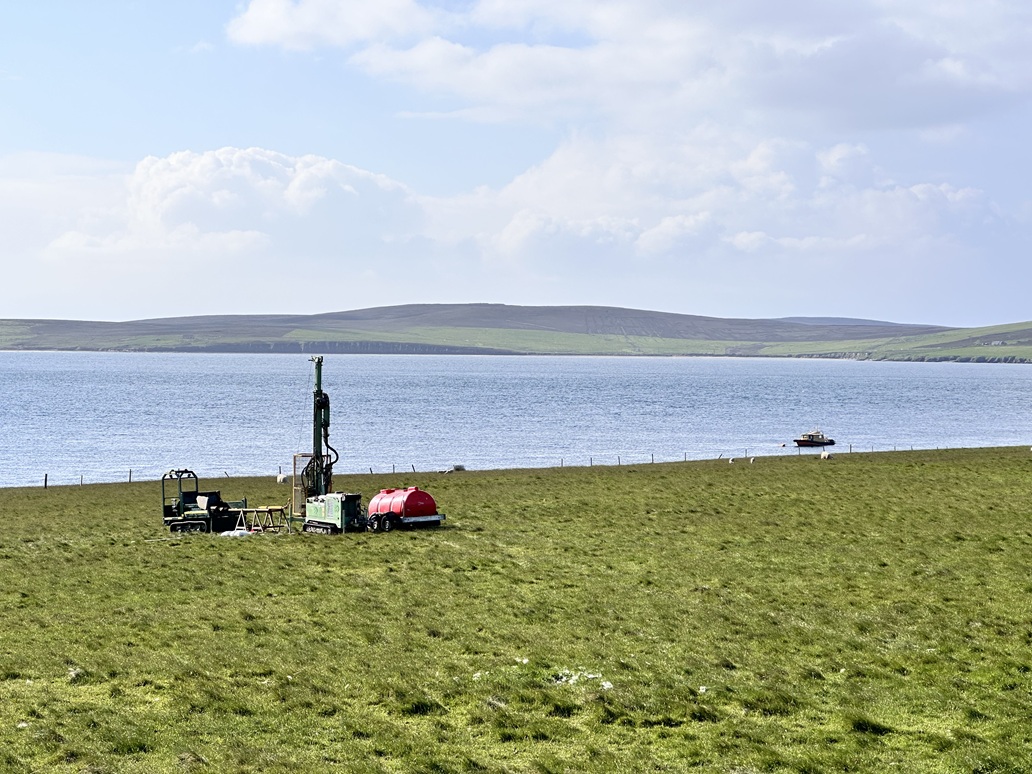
[{"x": 808, "y": 442}]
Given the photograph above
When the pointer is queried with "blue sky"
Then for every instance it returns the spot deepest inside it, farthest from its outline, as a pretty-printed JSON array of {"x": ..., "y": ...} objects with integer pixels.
[{"x": 741, "y": 159}]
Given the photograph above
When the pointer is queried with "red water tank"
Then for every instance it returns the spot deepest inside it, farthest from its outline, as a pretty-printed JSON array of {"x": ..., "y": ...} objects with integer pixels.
[{"x": 412, "y": 501}]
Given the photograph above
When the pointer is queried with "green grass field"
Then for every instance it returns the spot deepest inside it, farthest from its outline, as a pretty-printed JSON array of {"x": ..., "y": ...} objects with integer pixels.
[{"x": 866, "y": 613}]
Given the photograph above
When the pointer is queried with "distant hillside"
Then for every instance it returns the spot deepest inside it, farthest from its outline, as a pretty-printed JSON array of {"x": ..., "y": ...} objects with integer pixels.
[
  {"x": 503, "y": 329},
  {"x": 834, "y": 321}
]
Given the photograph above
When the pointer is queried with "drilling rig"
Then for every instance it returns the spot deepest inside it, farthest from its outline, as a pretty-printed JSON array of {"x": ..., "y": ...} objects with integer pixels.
[
  {"x": 317, "y": 475},
  {"x": 314, "y": 503},
  {"x": 323, "y": 511}
]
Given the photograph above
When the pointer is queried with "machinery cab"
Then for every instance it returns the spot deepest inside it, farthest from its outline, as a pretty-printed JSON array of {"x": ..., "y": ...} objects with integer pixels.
[
  {"x": 179, "y": 491},
  {"x": 184, "y": 508}
]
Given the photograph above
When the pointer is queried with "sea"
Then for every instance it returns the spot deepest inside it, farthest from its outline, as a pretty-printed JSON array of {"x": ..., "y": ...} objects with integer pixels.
[{"x": 90, "y": 417}]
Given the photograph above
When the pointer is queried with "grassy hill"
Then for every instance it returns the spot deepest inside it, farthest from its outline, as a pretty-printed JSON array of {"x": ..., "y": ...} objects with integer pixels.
[
  {"x": 865, "y": 613},
  {"x": 502, "y": 329}
]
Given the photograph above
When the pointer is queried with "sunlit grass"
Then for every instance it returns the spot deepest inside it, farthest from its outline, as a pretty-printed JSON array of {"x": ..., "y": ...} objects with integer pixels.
[{"x": 866, "y": 613}]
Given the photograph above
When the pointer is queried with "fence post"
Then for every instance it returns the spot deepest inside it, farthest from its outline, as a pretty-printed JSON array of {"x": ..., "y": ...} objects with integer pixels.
[
  {"x": 130, "y": 475},
  {"x": 45, "y": 476}
]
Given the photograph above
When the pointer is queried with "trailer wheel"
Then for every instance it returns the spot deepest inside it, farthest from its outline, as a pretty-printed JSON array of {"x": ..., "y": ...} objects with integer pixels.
[
  {"x": 388, "y": 524},
  {"x": 374, "y": 524}
]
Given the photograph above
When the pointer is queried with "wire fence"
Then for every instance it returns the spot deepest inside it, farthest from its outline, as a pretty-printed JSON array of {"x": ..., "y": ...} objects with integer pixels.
[{"x": 611, "y": 459}]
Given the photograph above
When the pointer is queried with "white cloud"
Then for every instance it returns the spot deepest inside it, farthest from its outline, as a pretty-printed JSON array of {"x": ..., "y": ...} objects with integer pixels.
[
  {"x": 673, "y": 232},
  {"x": 599, "y": 222},
  {"x": 226, "y": 220},
  {"x": 874, "y": 63},
  {"x": 749, "y": 241},
  {"x": 43, "y": 194},
  {"x": 305, "y": 24},
  {"x": 703, "y": 148},
  {"x": 836, "y": 160},
  {"x": 624, "y": 203},
  {"x": 241, "y": 199}
]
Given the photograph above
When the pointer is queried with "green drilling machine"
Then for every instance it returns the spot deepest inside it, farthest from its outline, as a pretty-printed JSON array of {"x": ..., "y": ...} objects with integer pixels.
[{"x": 320, "y": 509}]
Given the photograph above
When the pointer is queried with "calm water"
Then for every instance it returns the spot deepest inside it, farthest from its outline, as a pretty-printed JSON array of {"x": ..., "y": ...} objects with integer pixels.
[{"x": 98, "y": 415}]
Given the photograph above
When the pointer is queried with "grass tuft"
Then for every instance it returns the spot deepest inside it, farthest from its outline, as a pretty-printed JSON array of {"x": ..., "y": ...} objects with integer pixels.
[{"x": 865, "y": 725}]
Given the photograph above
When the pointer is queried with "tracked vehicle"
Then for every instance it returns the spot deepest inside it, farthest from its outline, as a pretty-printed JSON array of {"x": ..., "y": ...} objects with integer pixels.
[{"x": 187, "y": 509}]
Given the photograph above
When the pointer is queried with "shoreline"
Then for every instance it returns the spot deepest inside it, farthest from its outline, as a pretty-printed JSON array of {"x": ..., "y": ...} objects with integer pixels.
[
  {"x": 837, "y": 451},
  {"x": 443, "y": 351}
]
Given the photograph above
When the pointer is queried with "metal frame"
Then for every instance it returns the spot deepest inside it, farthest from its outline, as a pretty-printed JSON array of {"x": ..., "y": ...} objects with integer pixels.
[{"x": 172, "y": 505}]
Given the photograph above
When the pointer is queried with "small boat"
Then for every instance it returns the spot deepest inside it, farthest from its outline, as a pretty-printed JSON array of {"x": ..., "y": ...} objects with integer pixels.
[{"x": 814, "y": 438}]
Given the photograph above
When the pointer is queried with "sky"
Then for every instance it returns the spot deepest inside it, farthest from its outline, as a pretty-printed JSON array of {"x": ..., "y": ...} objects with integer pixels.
[{"x": 867, "y": 158}]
